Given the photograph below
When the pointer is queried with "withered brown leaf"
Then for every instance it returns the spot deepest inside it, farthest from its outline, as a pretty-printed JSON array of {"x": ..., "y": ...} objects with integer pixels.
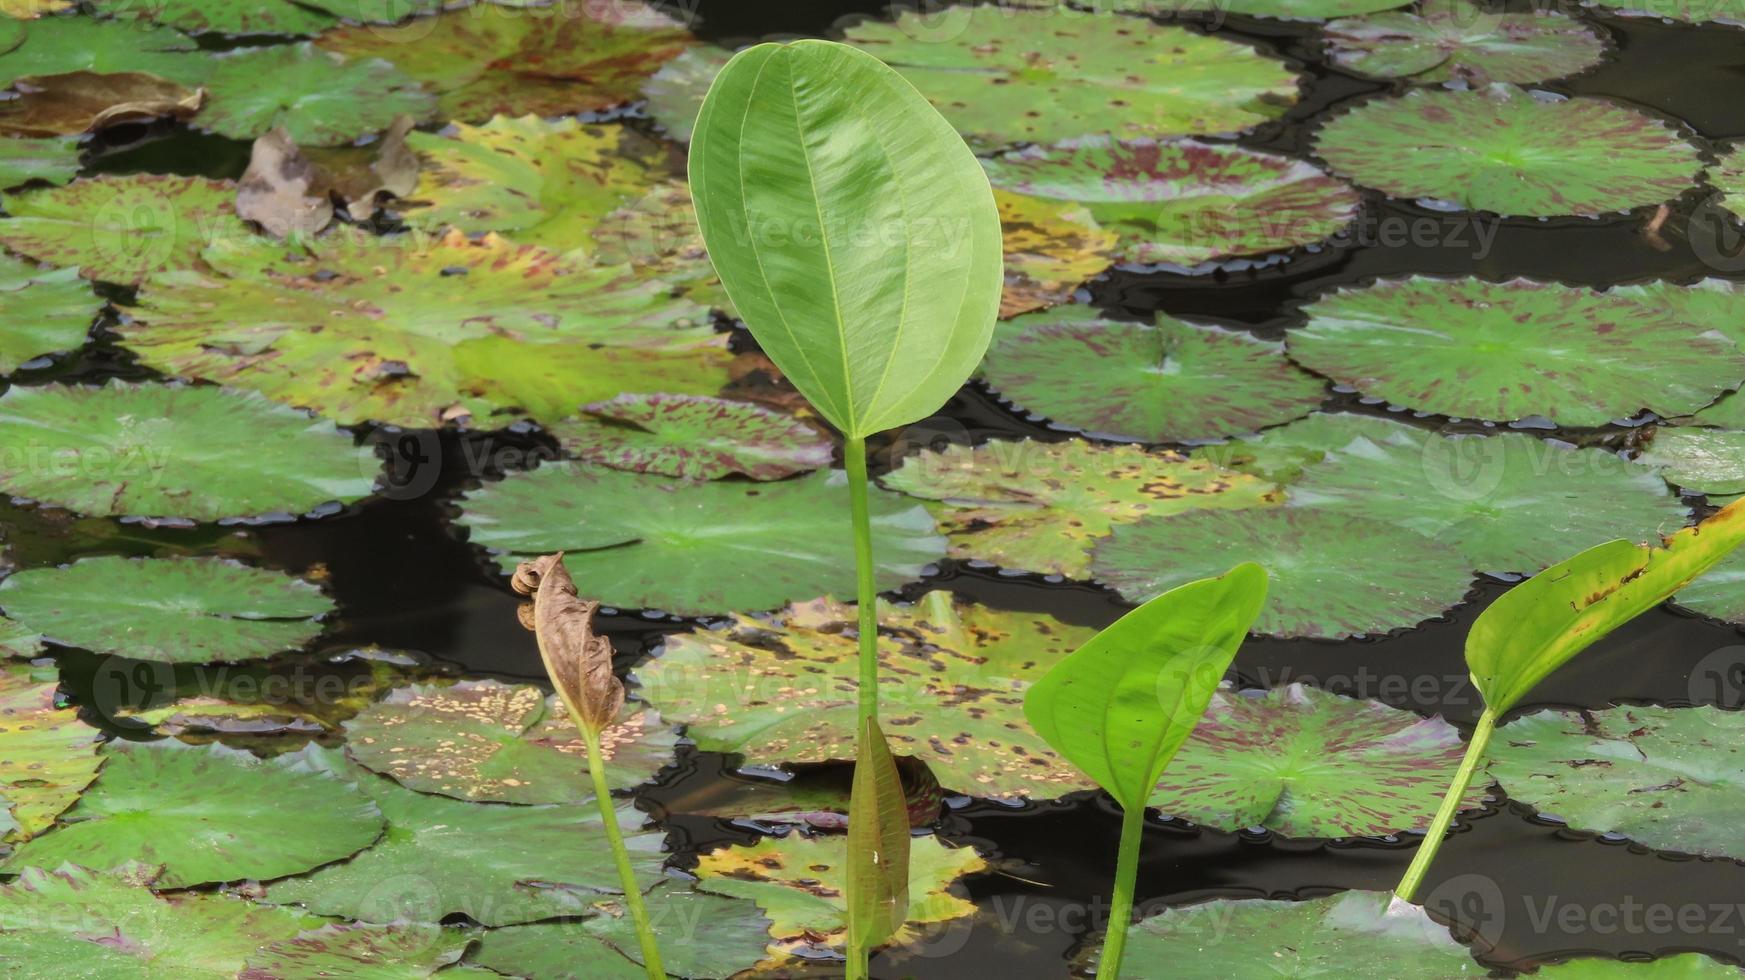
[{"x": 578, "y": 662}]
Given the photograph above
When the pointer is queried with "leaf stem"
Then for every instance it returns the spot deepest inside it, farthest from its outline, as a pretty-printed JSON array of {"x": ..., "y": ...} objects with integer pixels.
[
  {"x": 1438, "y": 830},
  {"x": 868, "y": 599},
  {"x": 626, "y": 875},
  {"x": 1121, "y": 904}
]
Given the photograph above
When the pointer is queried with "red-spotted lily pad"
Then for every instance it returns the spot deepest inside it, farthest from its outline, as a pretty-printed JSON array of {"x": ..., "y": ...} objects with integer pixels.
[
  {"x": 277, "y": 17},
  {"x": 1687, "y": 11},
  {"x": 634, "y": 540},
  {"x": 46, "y": 311},
  {"x": 1510, "y": 151},
  {"x": 1169, "y": 382},
  {"x": 481, "y": 740},
  {"x": 404, "y": 951},
  {"x": 1670, "y": 778},
  {"x": 122, "y": 229},
  {"x": 154, "y": 450},
  {"x": 1302, "y": 762},
  {"x": 1324, "y": 565},
  {"x": 1728, "y": 177},
  {"x": 1183, "y": 202},
  {"x": 1050, "y": 248},
  {"x": 1473, "y": 349},
  {"x": 693, "y": 437},
  {"x": 57, "y": 45},
  {"x": 319, "y": 98},
  {"x": 1004, "y": 75},
  {"x": 781, "y": 689},
  {"x": 50, "y": 756},
  {"x": 1041, "y": 506},
  {"x": 674, "y": 95},
  {"x": 54, "y": 160},
  {"x": 1455, "y": 40},
  {"x": 546, "y": 60},
  {"x": 1280, "y": 9}
]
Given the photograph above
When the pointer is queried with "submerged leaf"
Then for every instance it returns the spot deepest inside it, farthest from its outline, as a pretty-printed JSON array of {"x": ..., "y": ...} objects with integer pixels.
[
  {"x": 319, "y": 98},
  {"x": 122, "y": 229},
  {"x": 1456, "y": 40},
  {"x": 84, "y": 101},
  {"x": 46, "y": 311},
  {"x": 49, "y": 756},
  {"x": 693, "y": 437}
]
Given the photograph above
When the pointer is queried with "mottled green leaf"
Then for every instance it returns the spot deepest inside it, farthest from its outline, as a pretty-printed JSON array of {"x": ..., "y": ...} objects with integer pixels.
[
  {"x": 1698, "y": 459},
  {"x": 1050, "y": 247},
  {"x": 554, "y": 380},
  {"x": 1283, "y": 9},
  {"x": 276, "y": 17},
  {"x": 657, "y": 235},
  {"x": 1720, "y": 592},
  {"x": 16, "y": 640},
  {"x": 46, "y": 311},
  {"x": 55, "y": 160},
  {"x": 1281, "y": 455},
  {"x": 122, "y": 229},
  {"x": 1684, "y": 966},
  {"x": 1455, "y": 40},
  {"x": 56, "y": 45},
  {"x": 1728, "y": 177},
  {"x": 360, "y": 951},
  {"x": 47, "y": 756},
  {"x": 294, "y": 696},
  {"x": 694, "y": 437},
  {"x": 674, "y": 95},
  {"x": 318, "y": 97},
  {"x": 1688, "y": 11}
]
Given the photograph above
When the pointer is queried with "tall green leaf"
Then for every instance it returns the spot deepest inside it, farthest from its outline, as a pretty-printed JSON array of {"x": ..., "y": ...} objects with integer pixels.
[
  {"x": 853, "y": 230},
  {"x": 878, "y": 844}
]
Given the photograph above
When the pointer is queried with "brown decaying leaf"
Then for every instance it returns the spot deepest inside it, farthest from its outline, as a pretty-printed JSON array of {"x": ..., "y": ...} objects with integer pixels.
[
  {"x": 289, "y": 191},
  {"x": 578, "y": 661},
  {"x": 86, "y": 101}
]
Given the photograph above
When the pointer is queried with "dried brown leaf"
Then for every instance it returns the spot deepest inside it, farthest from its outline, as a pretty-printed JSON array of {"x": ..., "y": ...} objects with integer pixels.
[
  {"x": 279, "y": 192},
  {"x": 578, "y": 661},
  {"x": 86, "y": 101}
]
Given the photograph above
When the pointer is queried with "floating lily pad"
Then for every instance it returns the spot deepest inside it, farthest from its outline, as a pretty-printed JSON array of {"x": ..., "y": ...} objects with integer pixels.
[
  {"x": 801, "y": 883},
  {"x": 1334, "y": 575},
  {"x": 635, "y": 540},
  {"x": 1474, "y": 349},
  {"x": 409, "y": 334},
  {"x": 549, "y": 61},
  {"x": 1015, "y": 76},
  {"x": 1306, "y": 763},
  {"x": 121, "y": 229},
  {"x": 1698, "y": 459},
  {"x": 1454, "y": 40},
  {"x": 1506, "y": 150},
  {"x": 17, "y": 640},
  {"x": 206, "y": 814},
  {"x": 289, "y": 696},
  {"x": 1282, "y": 9},
  {"x": 181, "y": 610},
  {"x": 24, "y": 160},
  {"x": 693, "y": 437},
  {"x": 674, "y": 95},
  {"x": 481, "y": 740},
  {"x": 154, "y": 450},
  {"x": 46, "y": 311},
  {"x": 1171, "y": 382},
  {"x": 56, "y": 45},
  {"x": 1669, "y": 778},
  {"x": 1684, "y": 966},
  {"x": 701, "y": 935},
  {"x": 31, "y": 9},
  {"x": 781, "y": 689},
  {"x": 495, "y": 863},
  {"x": 1688, "y": 11},
  {"x": 277, "y": 17},
  {"x": 1728, "y": 177},
  {"x": 1720, "y": 592},
  {"x": 1183, "y": 202},
  {"x": 49, "y": 756},
  {"x": 400, "y": 951},
  {"x": 1051, "y": 247},
  {"x": 318, "y": 97},
  {"x": 1039, "y": 506},
  {"x": 658, "y": 236}
]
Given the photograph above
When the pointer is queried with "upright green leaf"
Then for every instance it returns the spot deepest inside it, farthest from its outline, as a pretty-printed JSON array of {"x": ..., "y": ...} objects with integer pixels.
[
  {"x": 878, "y": 843},
  {"x": 853, "y": 229}
]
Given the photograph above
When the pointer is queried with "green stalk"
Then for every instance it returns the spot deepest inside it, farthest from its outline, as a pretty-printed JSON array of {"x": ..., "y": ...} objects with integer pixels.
[
  {"x": 867, "y": 605},
  {"x": 626, "y": 876},
  {"x": 1121, "y": 905},
  {"x": 1481, "y": 736}
]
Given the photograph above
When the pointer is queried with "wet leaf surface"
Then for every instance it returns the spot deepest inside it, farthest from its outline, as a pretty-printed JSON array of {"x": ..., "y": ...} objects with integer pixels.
[
  {"x": 50, "y": 756},
  {"x": 285, "y": 18},
  {"x": 1699, "y": 459},
  {"x": 24, "y": 160},
  {"x": 674, "y": 94},
  {"x": 56, "y": 45},
  {"x": 121, "y": 229},
  {"x": 1728, "y": 177},
  {"x": 401, "y": 951},
  {"x": 83, "y": 101},
  {"x": 1454, "y": 40},
  {"x": 693, "y": 437},
  {"x": 1720, "y": 592},
  {"x": 47, "y": 311},
  {"x": 1051, "y": 247}
]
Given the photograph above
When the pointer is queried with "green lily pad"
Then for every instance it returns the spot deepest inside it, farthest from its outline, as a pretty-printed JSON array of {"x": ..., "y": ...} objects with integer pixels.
[
  {"x": 1505, "y": 150},
  {"x": 1324, "y": 565},
  {"x": 674, "y": 95},
  {"x": 801, "y": 883},
  {"x": 1303, "y": 762},
  {"x": 73, "y": 922},
  {"x": 17, "y": 640},
  {"x": 1281, "y": 455},
  {"x": 1669, "y": 778},
  {"x": 701, "y": 935},
  {"x": 53, "y": 159},
  {"x": 57, "y": 45},
  {"x": 181, "y": 610},
  {"x": 318, "y": 97},
  {"x": 121, "y": 229},
  {"x": 154, "y": 450},
  {"x": 495, "y": 863},
  {"x": 1171, "y": 382},
  {"x": 549, "y": 61},
  {"x": 23, "y": 10},
  {"x": 1042, "y": 76},
  {"x": 693, "y": 437},
  {"x": 1720, "y": 592},
  {"x": 1699, "y": 460},
  {"x": 49, "y": 756},
  {"x": 641, "y": 541},
  {"x": 278, "y": 17},
  {"x": 1040, "y": 507},
  {"x": 1473, "y": 349},
  {"x": 1183, "y": 202},
  {"x": 481, "y": 740},
  {"x": 1687, "y": 11},
  {"x": 419, "y": 334},
  {"x": 47, "y": 311},
  {"x": 1280, "y": 9},
  {"x": 290, "y": 696},
  {"x": 781, "y": 689},
  {"x": 1050, "y": 248},
  {"x": 1728, "y": 177},
  {"x": 399, "y": 951},
  {"x": 657, "y": 235},
  {"x": 1685, "y": 966},
  {"x": 1455, "y": 40},
  {"x": 206, "y": 814}
]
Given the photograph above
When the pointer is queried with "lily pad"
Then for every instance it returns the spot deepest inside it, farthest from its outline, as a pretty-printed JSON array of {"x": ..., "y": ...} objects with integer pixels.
[
  {"x": 154, "y": 450},
  {"x": 181, "y": 610},
  {"x": 693, "y": 437},
  {"x": 674, "y": 95},
  {"x": 1454, "y": 40},
  {"x": 318, "y": 97},
  {"x": 554, "y": 380},
  {"x": 289, "y": 696},
  {"x": 1171, "y": 382},
  {"x": 1040, "y": 76},
  {"x": 1509, "y": 151},
  {"x": 1684, "y": 966},
  {"x": 801, "y": 883},
  {"x": 1473, "y": 349},
  {"x": 548, "y": 61},
  {"x": 1669, "y": 778},
  {"x": 1720, "y": 592},
  {"x": 122, "y": 229},
  {"x": 481, "y": 740},
  {"x": 781, "y": 689},
  {"x": 1050, "y": 248},
  {"x": 46, "y": 311},
  {"x": 1281, "y": 455},
  {"x": 641, "y": 541},
  {"x": 401, "y": 951},
  {"x": 56, "y": 45},
  {"x": 657, "y": 235},
  {"x": 206, "y": 814},
  {"x": 1728, "y": 177},
  {"x": 16, "y": 640},
  {"x": 1688, "y": 11},
  {"x": 24, "y": 160},
  {"x": 31, "y": 9},
  {"x": 1183, "y": 202},
  {"x": 49, "y": 757},
  {"x": 1334, "y": 575},
  {"x": 1302, "y": 762},
  {"x": 1281, "y": 9},
  {"x": 1698, "y": 459},
  {"x": 701, "y": 935},
  {"x": 284, "y": 18},
  {"x": 1041, "y": 506}
]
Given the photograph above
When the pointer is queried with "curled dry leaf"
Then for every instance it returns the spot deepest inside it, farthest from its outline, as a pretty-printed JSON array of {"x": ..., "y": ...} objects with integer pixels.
[
  {"x": 86, "y": 101},
  {"x": 579, "y": 662},
  {"x": 289, "y": 190}
]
